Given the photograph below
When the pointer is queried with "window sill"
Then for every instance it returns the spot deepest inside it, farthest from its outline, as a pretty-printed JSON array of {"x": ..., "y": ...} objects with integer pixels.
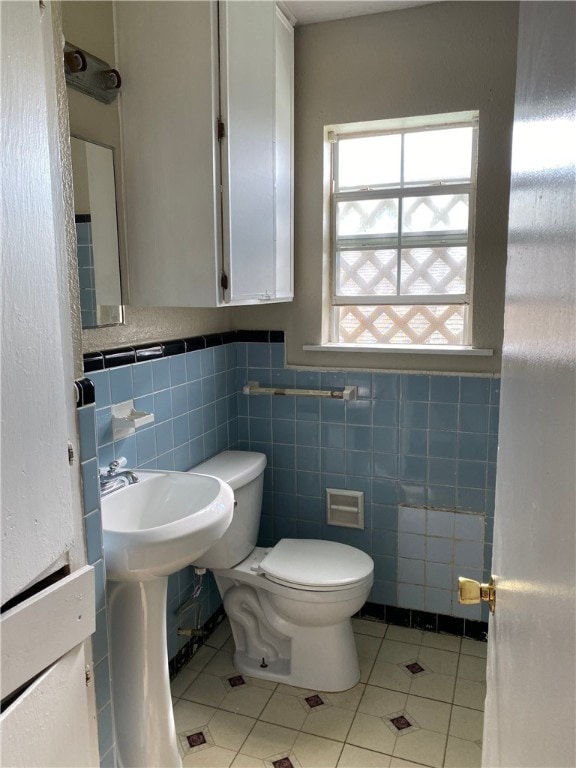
[{"x": 401, "y": 349}]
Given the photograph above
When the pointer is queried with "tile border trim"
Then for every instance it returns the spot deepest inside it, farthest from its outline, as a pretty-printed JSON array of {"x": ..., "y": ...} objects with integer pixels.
[
  {"x": 193, "y": 645},
  {"x": 428, "y": 622},
  {"x": 85, "y": 392},
  {"x": 112, "y": 358}
]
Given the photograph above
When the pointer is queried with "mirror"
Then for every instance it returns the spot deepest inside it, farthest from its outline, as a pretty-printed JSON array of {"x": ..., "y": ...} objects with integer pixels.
[{"x": 96, "y": 233}]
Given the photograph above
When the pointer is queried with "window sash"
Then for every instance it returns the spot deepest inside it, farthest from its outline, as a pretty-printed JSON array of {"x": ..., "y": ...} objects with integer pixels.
[{"x": 400, "y": 240}]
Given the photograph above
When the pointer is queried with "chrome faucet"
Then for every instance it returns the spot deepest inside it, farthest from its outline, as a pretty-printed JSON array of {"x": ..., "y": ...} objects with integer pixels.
[{"x": 114, "y": 478}]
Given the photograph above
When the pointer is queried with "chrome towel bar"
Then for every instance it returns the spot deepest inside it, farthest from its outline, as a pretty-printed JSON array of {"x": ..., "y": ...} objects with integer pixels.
[{"x": 254, "y": 388}]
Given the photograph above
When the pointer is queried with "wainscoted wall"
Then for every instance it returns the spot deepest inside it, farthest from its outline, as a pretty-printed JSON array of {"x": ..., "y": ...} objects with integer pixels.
[
  {"x": 193, "y": 398},
  {"x": 408, "y": 441},
  {"x": 422, "y": 449},
  {"x": 93, "y": 531}
]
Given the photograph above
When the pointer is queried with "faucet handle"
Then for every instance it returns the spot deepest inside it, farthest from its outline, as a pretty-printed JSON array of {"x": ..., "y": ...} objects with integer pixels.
[{"x": 115, "y": 465}]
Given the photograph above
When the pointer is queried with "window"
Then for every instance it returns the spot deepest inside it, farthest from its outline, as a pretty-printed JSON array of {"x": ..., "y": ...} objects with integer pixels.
[{"x": 402, "y": 210}]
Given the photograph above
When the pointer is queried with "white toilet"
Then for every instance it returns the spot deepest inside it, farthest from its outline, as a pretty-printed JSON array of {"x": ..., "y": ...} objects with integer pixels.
[{"x": 289, "y": 606}]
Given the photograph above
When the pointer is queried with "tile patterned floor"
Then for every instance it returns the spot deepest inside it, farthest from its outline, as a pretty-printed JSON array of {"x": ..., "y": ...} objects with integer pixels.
[{"x": 419, "y": 703}]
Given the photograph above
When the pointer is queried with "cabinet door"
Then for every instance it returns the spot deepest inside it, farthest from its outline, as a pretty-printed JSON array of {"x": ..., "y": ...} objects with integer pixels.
[
  {"x": 167, "y": 54},
  {"x": 248, "y": 108},
  {"x": 47, "y": 725},
  {"x": 284, "y": 160}
]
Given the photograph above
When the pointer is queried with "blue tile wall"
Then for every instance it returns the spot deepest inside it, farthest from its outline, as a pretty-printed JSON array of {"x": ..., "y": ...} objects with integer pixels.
[
  {"x": 93, "y": 535},
  {"x": 194, "y": 401},
  {"x": 409, "y": 441}
]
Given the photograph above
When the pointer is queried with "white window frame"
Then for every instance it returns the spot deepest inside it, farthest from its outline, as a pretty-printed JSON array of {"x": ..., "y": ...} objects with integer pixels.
[{"x": 433, "y": 239}]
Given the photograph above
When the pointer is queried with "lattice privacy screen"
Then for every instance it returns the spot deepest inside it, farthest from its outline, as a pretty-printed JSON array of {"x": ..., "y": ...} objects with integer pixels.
[{"x": 402, "y": 324}]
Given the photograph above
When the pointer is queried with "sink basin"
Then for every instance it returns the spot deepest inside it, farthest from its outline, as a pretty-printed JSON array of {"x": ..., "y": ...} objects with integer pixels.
[{"x": 162, "y": 523}]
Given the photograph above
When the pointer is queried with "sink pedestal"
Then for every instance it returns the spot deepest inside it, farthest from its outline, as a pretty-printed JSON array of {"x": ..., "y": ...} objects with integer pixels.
[{"x": 143, "y": 716}]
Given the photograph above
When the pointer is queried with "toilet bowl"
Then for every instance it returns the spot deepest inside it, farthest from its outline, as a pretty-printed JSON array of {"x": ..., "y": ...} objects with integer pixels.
[{"x": 289, "y": 606}]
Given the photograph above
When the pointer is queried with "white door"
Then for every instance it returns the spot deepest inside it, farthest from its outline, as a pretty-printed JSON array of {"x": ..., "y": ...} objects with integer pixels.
[
  {"x": 48, "y": 712},
  {"x": 37, "y": 521},
  {"x": 530, "y": 706}
]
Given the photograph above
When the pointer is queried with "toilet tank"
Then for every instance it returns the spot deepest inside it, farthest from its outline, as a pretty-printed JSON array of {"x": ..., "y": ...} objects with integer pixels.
[{"x": 244, "y": 473}]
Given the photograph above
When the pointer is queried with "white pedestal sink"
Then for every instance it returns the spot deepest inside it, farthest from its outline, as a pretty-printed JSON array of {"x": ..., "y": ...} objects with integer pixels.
[{"x": 151, "y": 529}]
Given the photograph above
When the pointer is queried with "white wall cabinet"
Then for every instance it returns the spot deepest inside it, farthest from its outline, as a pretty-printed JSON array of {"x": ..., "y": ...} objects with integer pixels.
[{"x": 207, "y": 134}]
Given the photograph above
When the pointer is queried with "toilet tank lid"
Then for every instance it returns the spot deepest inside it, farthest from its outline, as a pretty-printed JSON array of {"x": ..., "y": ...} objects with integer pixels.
[
  {"x": 314, "y": 563},
  {"x": 237, "y": 468}
]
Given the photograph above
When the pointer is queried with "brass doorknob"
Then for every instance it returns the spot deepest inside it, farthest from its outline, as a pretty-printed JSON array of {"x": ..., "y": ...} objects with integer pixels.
[{"x": 471, "y": 592}]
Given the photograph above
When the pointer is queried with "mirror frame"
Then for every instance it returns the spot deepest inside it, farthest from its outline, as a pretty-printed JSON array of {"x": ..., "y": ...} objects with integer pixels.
[{"x": 116, "y": 312}]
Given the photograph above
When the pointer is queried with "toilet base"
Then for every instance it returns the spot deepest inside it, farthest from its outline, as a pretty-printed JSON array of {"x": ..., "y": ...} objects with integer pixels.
[{"x": 321, "y": 659}]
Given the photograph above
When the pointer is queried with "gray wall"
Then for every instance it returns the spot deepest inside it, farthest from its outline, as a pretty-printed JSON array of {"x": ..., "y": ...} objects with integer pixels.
[{"x": 438, "y": 58}]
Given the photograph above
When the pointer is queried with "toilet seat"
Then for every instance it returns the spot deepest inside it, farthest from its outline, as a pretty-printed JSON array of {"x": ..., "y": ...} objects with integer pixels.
[{"x": 315, "y": 565}]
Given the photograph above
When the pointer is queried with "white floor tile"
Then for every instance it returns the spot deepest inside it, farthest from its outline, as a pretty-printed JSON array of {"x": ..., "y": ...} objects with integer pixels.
[
  {"x": 292, "y": 690},
  {"x": 469, "y": 693},
  {"x": 255, "y": 724},
  {"x": 221, "y": 664},
  {"x": 346, "y": 699},
  {"x": 373, "y": 628},
  {"x": 436, "y": 660},
  {"x": 201, "y": 657},
  {"x": 183, "y": 680},
  {"x": 214, "y": 757},
  {"x": 396, "y": 652},
  {"x": 315, "y": 752},
  {"x": 404, "y": 634},
  {"x": 230, "y": 730},
  {"x": 367, "y": 646},
  {"x": 426, "y": 747},
  {"x": 267, "y": 739},
  {"x": 381, "y": 701},
  {"x": 220, "y": 635},
  {"x": 467, "y": 724},
  {"x": 389, "y": 675},
  {"x": 462, "y": 754},
  {"x": 366, "y": 666},
  {"x": 443, "y": 642},
  {"x": 246, "y": 761},
  {"x": 205, "y": 689},
  {"x": 247, "y": 700},
  {"x": 474, "y": 648},
  {"x": 430, "y": 715},
  {"x": 370, "y": 732},
  {"x": 472, "y": 668},
  {"x": 229, "y": 645},
  {"x": 331, "y": 723},
  {"x": 356, "y": 757},
  {"x": 189, "y": 715},
  {"x": 433, "y": 686},
  {"x": 284, "y": 710}
]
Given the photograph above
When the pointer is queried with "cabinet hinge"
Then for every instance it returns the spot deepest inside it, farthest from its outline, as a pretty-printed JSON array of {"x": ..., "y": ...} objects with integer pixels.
[
  {"x": 70, "y": 453},
  {"x": 88, "y": 675},
  {"x": 221, "y": 130},
  {"x": 224, "y": 281}
]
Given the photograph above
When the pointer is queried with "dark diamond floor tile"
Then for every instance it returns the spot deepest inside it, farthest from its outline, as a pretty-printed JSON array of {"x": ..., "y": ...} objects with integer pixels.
[
  {"x": 314, "y": 701},
  {"x": 196, "y": 739},
  {"x": 284, "y": 762},
  {"x": 401, "y": 722}
]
